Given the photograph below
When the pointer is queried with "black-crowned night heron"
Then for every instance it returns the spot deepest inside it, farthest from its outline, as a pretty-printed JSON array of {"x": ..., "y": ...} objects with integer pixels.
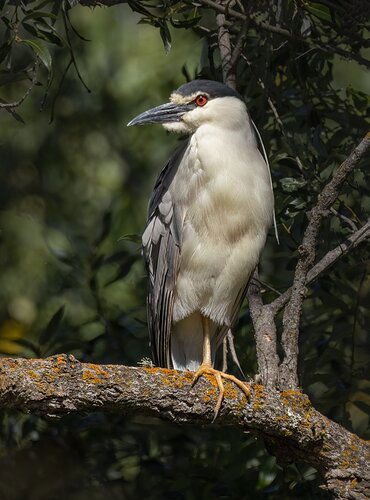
[{"x": 208, "y": 219}]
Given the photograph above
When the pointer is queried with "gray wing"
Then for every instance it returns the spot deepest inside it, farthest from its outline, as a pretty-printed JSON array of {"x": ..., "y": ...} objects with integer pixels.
[{"x": 161, "y": 248}]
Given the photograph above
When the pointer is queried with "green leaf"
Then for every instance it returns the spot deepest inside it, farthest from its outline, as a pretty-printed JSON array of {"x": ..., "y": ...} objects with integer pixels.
[
  {"x": 123, "y": 270},
  {"x": 7, "y": 77},
  {"x": 106, "y": 227},
  {"x": 15, "y": 115},
  {"x": 361, "y": 101},
  {"x": 53, "y": 326},
  {"x": 38, "y": 14},
  {"x": 4, "y": 51},
  {"x": 42, "y": 4},
  {"x": 166, "y": 36},
  {"x": 7, "y": 40},
  {"x": 31, "y": 29},
  {"x": 137, "y": 7},
  {"x": 28, "y": 344},
  {"x": 363, "y": 405},
  {"x": 290, "y": 184},
  {"x": 116, "y": 257},
  {"x": 186, "y": 23},
  {"x": 41, "y": 51},
  {"x": 319, "y": 10},
  {"x": 135, "y": 238},
  {"x": 66, "y": 347}
]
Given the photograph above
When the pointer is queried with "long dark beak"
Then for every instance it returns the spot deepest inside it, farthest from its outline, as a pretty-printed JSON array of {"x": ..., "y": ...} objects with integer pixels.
[{"x": 169, "y": 112}]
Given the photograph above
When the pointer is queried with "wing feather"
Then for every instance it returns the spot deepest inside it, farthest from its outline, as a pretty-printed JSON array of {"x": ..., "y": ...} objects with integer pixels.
[{"x": 161, "y": 248}]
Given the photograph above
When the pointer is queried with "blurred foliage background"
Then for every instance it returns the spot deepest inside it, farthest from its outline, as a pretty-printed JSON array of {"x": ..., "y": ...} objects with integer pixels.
[{"x": 74, "y": 184}]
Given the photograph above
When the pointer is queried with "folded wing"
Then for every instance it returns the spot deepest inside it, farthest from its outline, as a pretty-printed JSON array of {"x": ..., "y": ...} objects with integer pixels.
[{"x": 161, "y": 247}]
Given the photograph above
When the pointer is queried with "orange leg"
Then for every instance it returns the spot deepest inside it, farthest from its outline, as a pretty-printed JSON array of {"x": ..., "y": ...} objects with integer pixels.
[{"x": 207, "y": 369}]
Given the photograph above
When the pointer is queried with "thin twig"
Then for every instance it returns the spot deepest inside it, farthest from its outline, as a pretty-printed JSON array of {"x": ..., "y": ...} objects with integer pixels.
[
  {"x": 224, "y": 355},
  {"x": 239, "y": 45},
  {"x": 232, "y": 350},
  {"x": 274, "y": 111},
  {"x": 265, "y": 285},
  {"x": 73, "y": 58},
  {"x": 16, "y": 104},
  {"x": 59, "y": 89},
  {"x": 345, "y": 219}
]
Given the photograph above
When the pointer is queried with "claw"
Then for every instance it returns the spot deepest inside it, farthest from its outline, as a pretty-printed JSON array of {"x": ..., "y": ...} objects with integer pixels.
[{"x": 208, "y": 370}]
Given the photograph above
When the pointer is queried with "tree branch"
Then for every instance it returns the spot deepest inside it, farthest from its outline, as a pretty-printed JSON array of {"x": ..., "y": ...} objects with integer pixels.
[
  {"x": 224, "y": 45},
  {"x": 288, "y": 377},
  {"x": 218, "y": 7},
  {"x": 61, "y": 385},
  {"x": 328, "y": 260},
  {"x": 264, "y": 335}
]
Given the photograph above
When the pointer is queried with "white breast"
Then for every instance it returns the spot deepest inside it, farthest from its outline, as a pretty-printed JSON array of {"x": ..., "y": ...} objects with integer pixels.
[{"x": 223, "y": 189}]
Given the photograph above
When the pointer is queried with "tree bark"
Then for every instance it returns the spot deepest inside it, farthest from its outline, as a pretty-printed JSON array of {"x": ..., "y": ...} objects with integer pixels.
[
  {"x": 61, "y": 385},
  {"x": 288, "y": 375}
]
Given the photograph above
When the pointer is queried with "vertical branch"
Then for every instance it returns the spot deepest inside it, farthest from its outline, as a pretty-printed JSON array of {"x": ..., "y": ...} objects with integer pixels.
[
  {"x": 224, "y": 45},
  {"x": 288, "y": 375},
  {"x": 264, "y": 335}
]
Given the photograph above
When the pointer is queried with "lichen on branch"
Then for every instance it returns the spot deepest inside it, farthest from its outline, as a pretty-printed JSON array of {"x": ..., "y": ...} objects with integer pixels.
[{"x": 61, "y": 385}]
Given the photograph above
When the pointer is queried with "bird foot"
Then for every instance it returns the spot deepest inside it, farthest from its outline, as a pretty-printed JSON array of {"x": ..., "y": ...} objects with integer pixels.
[{"x": 208, "y": 370}]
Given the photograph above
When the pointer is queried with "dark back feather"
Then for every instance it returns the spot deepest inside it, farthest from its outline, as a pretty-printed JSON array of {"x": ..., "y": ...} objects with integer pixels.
[{"x": 161, "y": 249}]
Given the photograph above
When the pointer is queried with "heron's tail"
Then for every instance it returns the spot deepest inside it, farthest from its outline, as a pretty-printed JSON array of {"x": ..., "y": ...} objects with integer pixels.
[{"x": 187, "y": 343}]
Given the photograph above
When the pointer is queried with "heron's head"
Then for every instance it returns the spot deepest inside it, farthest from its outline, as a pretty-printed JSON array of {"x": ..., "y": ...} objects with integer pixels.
[{"x": 197, "y": 103}]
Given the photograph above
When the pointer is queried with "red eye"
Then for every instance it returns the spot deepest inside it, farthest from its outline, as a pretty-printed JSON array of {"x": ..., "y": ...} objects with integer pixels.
[{"x": 201, "y": 100}]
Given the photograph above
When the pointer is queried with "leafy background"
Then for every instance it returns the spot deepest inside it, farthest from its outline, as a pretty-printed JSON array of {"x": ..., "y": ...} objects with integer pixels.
[{"x": 74, "y": 184}]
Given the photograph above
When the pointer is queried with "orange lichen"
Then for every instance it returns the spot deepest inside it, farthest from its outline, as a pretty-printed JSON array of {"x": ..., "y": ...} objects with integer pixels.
[
  {"x": 349, "y": 455},
  {"x": 172, "y": 377},
  {"x": 282, "y": 418},
  {"x": 94, "y": 375},
  {"x": 296, "y": 400},
  {"x": 34, "y": 375},
  {"x": 300, "y": 403},
  {"x": 180, "y": 379},
  {"x": 61, "y": 359},
  {"x": 49, "y": 377},
  {"x": 231, "y": 391},
  {"x": 210, "y": 394},
  {"x": 159, "y": 370},
  {"x": 258, "y": 396},
  {"x": 98, "y": 370}
]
